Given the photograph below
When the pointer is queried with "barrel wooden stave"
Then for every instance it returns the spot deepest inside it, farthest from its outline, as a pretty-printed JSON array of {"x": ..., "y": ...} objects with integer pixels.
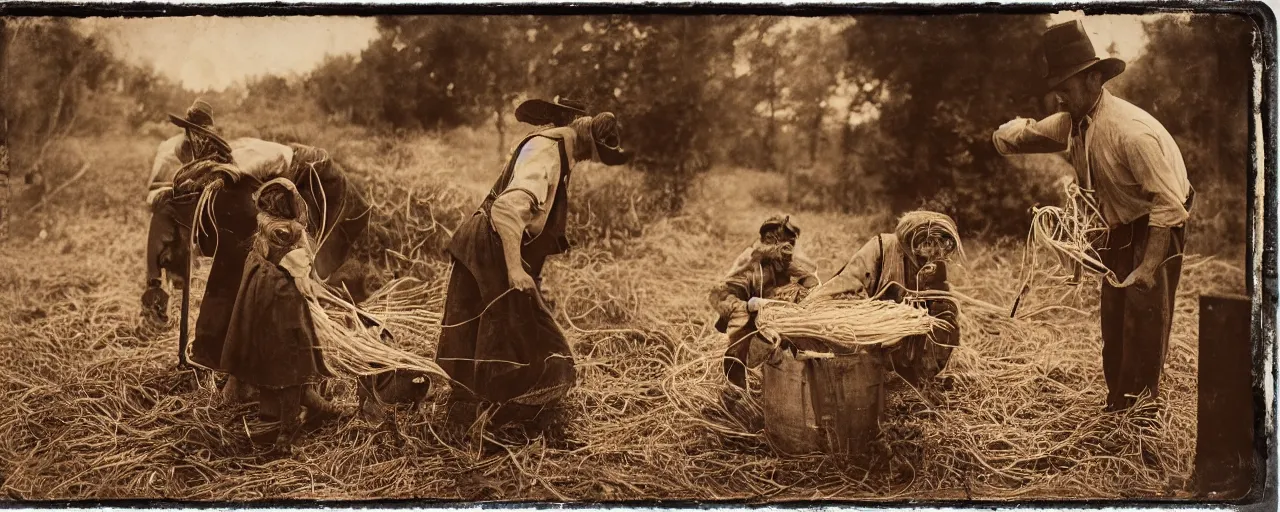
[{"x": 830, "y": 405}]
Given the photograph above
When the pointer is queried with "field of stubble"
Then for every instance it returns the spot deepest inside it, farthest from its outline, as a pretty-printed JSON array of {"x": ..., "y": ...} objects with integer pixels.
[{"x": 92, "y": 407}]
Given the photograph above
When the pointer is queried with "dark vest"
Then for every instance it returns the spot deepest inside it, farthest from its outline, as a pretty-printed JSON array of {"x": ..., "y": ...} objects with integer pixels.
[{"x": 552, "y": 240}]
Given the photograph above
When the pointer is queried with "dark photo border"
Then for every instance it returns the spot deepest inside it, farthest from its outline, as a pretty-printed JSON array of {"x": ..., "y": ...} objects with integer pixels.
[{"x": 1261, "y": 287}]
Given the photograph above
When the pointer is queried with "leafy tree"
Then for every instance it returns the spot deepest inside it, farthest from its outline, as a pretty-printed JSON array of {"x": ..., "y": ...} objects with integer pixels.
[
  {"x": 1195, "y": 77},
  {"x": 346, "y": 90},
  {"x": 967, "y": 75},
  {"x": 50, "y": 69},
  {"x": 813, "y": 75},
  {"x": 420, "y": 73},
  {"x": 663, "y": 76},
  {"x": 798, "y": 79},
  {"x": 762, "y": 47}
]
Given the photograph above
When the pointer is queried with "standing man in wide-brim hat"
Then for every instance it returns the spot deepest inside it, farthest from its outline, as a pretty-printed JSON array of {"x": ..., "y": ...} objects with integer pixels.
[
  {"x": 1134, "y": 170},
  {"x": 499, "y": 343}
]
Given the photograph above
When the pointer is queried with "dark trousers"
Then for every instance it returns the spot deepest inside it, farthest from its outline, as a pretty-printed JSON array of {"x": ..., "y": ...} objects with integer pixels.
[
  {"x": 214, "y": 318},
  {"x": 735, "y": 357},
  {"x": 1136, "y": 324},
  {"x": 477, "y": 351}
]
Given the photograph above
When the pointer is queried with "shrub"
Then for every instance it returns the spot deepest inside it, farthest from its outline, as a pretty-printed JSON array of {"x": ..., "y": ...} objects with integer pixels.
[
  {"x": 1219, "y": 219},
  {"x": 609, "y": 206}
]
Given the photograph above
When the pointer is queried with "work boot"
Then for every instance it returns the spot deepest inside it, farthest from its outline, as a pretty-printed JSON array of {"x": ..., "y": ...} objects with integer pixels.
[
  {"x": 316, "y": 405},
  {"x": 235, "y": 392},
  {"x": 268, "y": 410}
]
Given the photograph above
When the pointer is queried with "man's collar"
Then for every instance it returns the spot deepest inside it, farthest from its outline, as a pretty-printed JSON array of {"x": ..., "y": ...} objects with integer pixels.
[{"x": 1092, "y": 113}]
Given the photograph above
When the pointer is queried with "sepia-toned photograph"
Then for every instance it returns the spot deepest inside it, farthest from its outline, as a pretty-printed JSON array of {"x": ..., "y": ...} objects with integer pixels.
[{"x": 941, "y": 253}]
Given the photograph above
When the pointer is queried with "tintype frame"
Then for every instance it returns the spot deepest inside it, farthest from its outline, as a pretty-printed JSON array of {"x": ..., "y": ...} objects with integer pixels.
[{"x": 1261, "y": 264}]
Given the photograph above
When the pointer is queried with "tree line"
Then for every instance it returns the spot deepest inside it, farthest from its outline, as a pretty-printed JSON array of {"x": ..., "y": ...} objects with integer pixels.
[
  {"x": 886, "y": 110},
  {"x": 859, "y": 113}
]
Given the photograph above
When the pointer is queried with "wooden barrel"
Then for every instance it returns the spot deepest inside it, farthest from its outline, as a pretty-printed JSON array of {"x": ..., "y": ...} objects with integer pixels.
[{"x": 830, "y": 405}]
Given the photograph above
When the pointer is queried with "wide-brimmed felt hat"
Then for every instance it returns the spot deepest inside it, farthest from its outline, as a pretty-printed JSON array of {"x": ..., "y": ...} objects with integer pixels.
[
  {"x": 199, "y": 119},
  {"x": 608, "y": 139},
  {"x": 561, "y": 112},
  {"x": 558, "y": 112},
  {"x": 1068, "y": 51}
]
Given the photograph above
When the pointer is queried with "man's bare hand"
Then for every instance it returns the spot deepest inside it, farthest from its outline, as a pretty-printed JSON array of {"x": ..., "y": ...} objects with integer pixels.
[
  {"x": 522, "y": 281},
  {"x": 1141, "y": 279}
]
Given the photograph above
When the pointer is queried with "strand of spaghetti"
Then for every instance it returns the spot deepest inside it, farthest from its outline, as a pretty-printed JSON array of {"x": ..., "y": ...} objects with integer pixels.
[
  {"x": 482, "y": 312},
  {"x": 504, "y": 361},
  {"x": 313, "y": 177}
]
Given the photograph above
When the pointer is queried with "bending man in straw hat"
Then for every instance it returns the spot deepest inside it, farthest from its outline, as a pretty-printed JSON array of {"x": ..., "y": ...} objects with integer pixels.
[
  {"x": 772, "y": 269},
  {"x": 894, "y": 266},
  {"x": 336, "y": 208},
  {"x": 498, "y": 339},
  {"x": 1131, "y": 165},
  {"x": 271, "y": 341}
]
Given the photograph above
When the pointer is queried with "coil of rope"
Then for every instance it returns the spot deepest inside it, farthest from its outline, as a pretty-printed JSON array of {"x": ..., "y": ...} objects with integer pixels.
[{"x": 1071, "y": 233}]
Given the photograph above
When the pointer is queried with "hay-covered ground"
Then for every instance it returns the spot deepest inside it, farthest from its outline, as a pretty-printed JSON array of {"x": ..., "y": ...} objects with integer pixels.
[{"x": 91, "y": 406}]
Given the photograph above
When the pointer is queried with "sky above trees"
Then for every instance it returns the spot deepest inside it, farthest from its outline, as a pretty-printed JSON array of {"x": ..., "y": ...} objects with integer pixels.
[{"x": 213, "y": 53}]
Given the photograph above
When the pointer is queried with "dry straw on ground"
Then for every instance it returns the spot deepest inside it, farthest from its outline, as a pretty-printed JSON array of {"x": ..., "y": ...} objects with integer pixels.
[{"x": 93, "y": 407}]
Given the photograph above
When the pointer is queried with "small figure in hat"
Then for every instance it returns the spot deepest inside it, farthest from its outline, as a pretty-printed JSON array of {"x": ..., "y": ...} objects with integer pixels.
[
  {"x": 499, "y": 341},
  {"x": 772, "y": 269},
  {"x": 1133, "y": 168},
  {"x": 271, "y": 341},
  {"x": 200, "y": 141}
]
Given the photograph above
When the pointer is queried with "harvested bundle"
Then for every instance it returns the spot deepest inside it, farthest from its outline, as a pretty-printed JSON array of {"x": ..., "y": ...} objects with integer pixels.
[
  {"x": 351, "y": 337},
  {"x": 845, "y": 323},
  {"x": 1071, "y": 233},
  {"x": 409, "y": 305}
]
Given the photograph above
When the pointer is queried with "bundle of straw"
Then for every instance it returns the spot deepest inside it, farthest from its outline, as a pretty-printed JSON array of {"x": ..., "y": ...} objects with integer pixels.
[
  {"x": 1070, "y": 233},
  {"x": 352, "y": 348},
  {"x": 847, "y": 323}
]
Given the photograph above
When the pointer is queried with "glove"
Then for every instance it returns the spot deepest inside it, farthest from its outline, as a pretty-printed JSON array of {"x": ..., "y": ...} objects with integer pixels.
[
  {"x": 933, "y": 276},
  {"x": 155, "y": 304},
  {"x": 753, "y": 304}
]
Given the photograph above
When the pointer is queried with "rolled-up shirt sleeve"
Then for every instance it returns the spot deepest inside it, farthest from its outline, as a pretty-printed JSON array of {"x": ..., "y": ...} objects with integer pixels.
[
  {"x": 526, "y": 195},
  {"x": 165, "y": 163},
  {"x": 511, "y": 213},
  {"x": 1023, "y": 135},
  {"x": 536, "y": 166},
  {"x": 1157, "y": 176}
]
